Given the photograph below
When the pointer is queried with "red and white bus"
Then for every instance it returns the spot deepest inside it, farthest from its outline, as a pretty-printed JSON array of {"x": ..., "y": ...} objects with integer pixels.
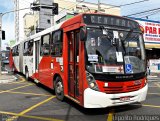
[{"x": 96, "y": 60}]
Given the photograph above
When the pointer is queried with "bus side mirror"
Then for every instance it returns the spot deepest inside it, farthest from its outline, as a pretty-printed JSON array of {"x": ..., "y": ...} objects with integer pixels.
[{"x": 83, "y": 34}]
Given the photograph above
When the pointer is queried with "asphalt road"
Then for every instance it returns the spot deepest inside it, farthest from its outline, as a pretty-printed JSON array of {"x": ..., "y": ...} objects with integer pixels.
[{"x": 25, "y": 101}]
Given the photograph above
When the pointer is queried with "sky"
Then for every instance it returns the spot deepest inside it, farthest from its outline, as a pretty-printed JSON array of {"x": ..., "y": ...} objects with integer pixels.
[{"x": 8, "y": 19}]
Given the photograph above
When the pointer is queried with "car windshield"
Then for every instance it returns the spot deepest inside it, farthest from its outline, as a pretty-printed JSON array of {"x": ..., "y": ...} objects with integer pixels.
[{"x": 109, "y": 53}]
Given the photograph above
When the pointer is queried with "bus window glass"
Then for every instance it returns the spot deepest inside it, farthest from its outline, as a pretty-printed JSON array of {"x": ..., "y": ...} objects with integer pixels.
[
  {"x": 18, "y": 48},
  {"x": 25, "y": 51},
  {"x": 104, "y": 57},
  {"x": 56, "y": 46},
  {"x": 30, "y": 48},
  {"x": 13, "y": 51},
  {"x": 45, "y": 47}
]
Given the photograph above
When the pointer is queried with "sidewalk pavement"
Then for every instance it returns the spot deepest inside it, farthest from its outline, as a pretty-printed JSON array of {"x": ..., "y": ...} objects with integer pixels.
[
  {"x": 153, "y": 78},
  {"x": 7, "y": 76}
]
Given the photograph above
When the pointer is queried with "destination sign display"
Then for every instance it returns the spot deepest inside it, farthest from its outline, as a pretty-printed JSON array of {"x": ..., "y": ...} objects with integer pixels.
[{"x": 93, "y": 19}]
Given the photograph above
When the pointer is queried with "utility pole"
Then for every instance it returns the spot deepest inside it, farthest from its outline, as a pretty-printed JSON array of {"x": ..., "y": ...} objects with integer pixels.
[
  {"x": 2, "y": 37},
  {"x": 16, "y": 19},
  {"x": 99, "y": 7}
]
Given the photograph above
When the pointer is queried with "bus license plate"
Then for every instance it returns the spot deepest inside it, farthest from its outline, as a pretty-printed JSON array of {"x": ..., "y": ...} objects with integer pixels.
[{"x": 124, "y": 98}]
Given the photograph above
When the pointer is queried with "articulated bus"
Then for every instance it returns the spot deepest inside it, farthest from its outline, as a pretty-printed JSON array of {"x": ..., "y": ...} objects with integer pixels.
[{"x": 96, "y": 60}]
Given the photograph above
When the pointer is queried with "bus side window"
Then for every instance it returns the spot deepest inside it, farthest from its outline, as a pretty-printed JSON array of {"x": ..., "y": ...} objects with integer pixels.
[
  {"x": 13, "y": 51},
  {"x": 18, "y": 48},
  {"x": 56, "y": 44},
  {"x": 25, "y": 52},
  {"x": 45, "y": 47},
  {"x": 30, "y": 48}
]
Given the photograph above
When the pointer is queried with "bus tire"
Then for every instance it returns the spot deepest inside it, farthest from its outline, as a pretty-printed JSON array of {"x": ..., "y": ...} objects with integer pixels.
[
  {"x": 59, "y": 88},
  {"x": 27, "y": 74}
]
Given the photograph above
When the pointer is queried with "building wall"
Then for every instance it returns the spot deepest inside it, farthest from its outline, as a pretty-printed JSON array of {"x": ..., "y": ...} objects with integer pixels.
[
  {"x": 28, "y": 23},
  {"x": 45, "y": 15},
  {"x": 71, "y": 7},
  {"x": 67, "y": 8}
]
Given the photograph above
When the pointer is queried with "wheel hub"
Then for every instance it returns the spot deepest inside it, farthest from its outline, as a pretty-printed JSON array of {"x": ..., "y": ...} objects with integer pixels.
[{"x": 59, "y": 87}]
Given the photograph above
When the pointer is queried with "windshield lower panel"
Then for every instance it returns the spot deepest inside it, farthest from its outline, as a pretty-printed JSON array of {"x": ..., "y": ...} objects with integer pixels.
[{"x": 114, "y": 52}]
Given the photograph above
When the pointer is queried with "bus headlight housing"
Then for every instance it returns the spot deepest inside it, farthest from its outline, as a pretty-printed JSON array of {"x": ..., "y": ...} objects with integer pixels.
[
  {"x": 145, "y": 82},
  {"x": 91, "y": 81}
]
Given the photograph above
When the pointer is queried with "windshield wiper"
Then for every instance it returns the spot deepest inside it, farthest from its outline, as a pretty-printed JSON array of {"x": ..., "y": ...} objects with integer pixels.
[
  {"x": 123, "y": 40},
  {"x": 128, "y": 35},
  {"x": 106, "y": 32},
  {"x": 123, "y": 46}
]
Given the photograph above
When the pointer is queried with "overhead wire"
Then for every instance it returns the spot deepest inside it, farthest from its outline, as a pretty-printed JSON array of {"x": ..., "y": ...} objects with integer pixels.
[
  {"x": 156, "y": 12},
  {"x": 126, "y": 4},
  {"x": 143, "y": 12}
]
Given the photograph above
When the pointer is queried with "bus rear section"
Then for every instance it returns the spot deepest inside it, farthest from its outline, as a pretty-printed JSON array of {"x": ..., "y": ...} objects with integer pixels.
[{"x": 14, "y": 58}]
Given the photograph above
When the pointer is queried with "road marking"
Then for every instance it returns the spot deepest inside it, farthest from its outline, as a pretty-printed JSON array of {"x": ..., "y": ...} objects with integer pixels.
[
  {"x": 157, "y": 84},
  {"x": 110, "y": 115},
  {"x": 26, "y": 93},
  {"x": 29, "y": 109},
  {"x": 153, "y": 86},
  {"x": 153, "y": 93},
  {"x": 147, "y": 105},
  {"x": 16, "y": 88},
  {"x": 17, "y": 82},
  {"x": 27, "y": 116},
  {"x": 34, "y": 106},
  {"x": 153, "y": 106}
]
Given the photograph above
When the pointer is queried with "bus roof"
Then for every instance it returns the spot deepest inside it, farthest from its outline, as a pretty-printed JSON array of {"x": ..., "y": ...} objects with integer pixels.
[
  {"x": 76, "y": 19},
  {"x": 79, "y": 18}
]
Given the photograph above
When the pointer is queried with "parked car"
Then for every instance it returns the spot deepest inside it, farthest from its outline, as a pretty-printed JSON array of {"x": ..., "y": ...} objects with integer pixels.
[{"x": 5, "y": 57}]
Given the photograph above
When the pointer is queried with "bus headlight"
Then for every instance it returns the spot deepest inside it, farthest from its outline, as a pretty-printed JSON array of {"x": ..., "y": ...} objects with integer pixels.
[{"x": 91, "y": 81}]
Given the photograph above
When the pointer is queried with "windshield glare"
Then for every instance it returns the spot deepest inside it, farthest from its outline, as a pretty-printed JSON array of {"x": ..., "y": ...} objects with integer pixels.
[{"x": 125, "y": 57}]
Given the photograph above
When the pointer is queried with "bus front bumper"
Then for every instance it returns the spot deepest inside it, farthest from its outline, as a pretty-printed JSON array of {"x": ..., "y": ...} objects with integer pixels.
[{"x": 95, "y": 99}]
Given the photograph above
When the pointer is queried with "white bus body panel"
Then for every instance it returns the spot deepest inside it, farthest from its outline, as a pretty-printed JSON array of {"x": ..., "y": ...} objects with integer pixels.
[
  {"x": 95, "y": 99},
  {"x": 28, "y": 61},
  {"x": 16, "y": 62}
]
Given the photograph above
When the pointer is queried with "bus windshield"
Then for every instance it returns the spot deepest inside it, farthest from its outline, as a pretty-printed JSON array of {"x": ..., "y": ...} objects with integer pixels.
[{"x": 123, "y": 55}]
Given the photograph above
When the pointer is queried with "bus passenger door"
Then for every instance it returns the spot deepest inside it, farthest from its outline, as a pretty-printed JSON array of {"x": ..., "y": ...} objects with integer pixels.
[{"x": 73, "y": 83}]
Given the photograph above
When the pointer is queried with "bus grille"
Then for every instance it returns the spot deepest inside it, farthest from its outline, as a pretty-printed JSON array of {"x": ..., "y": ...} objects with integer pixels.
[{"x": 122, "y": 89}]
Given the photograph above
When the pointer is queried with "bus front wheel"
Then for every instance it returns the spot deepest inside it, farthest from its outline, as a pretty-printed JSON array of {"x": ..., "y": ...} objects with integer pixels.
[{"x": 59, "y": 89}]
